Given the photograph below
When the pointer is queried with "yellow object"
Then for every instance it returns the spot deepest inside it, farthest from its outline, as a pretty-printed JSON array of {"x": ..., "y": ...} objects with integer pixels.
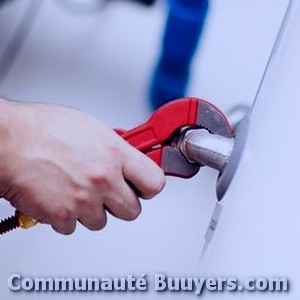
[{"x": 26, "y": 221}]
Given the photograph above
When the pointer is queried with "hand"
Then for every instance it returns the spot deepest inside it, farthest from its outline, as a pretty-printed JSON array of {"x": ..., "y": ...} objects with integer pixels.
[{"x": 59, "y": 165}]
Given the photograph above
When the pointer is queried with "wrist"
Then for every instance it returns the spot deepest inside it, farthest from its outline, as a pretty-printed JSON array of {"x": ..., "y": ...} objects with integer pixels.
[{"x": 6, "y": 119}]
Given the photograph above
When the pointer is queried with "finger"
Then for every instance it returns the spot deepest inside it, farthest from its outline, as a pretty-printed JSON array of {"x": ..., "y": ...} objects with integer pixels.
[
  {"x": 147, "y": 177},
  {"x": 93, "y": 218},
  {"x": 123, "y": 202},
  {"x": 65, "y": 227}
]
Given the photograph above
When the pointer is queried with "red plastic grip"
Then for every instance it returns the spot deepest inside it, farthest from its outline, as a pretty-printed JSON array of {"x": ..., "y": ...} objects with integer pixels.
[{"x": 163, "y": 123}]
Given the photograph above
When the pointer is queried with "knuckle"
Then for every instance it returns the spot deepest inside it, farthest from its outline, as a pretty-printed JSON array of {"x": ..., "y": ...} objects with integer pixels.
[
  {"x": 160, "y": 184},
  {"x": 68, "y": 231},
  {"x": 82, "y": 200},
  {"x": 98, "y": 225},
  {"x": 133, "y": 213},
  {"x": 63, "y": 214},
  {"x": 116, "y": 151},
  {"x": 100, "y": 178},
  {"x": 157, "y": 186},
  {"x": 65, "y": 230},
  {"x": 125, "y": 208},
  {"x": 95, "y": 220}
]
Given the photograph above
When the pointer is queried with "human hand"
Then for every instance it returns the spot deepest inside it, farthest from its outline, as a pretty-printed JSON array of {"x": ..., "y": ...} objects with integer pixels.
[{"x": 59, "y": 165}]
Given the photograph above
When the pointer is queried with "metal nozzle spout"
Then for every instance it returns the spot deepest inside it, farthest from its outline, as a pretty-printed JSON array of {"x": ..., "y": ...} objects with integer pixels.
[{"x": 216, "y": 151}]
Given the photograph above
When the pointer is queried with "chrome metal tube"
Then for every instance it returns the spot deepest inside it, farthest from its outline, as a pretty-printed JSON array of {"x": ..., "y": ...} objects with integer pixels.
[{"x": 208, "y": 149}]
